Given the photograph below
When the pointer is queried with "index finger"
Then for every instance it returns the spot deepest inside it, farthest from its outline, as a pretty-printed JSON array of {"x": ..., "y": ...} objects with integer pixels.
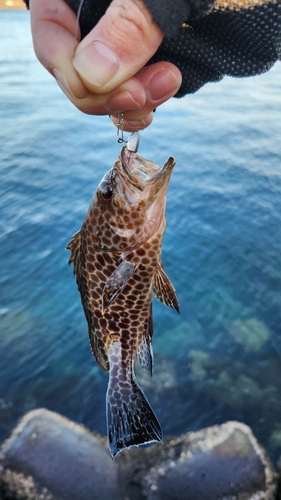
[
  {"x": 120, "y": 44},
  {"x": 53, "y": 26}
]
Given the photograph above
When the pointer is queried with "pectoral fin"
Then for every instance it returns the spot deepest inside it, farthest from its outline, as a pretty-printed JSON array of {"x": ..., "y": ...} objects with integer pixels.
[
  {"x": 164, "y": 289},
  {"x": 116, "y": 283}
]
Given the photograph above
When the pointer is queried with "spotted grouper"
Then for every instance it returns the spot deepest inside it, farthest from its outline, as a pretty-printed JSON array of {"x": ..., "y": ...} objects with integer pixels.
[{"x": 117, "y": 263}]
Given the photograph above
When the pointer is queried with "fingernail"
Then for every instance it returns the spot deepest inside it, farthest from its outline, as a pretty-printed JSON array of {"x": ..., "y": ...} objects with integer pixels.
[
  {"x": 161, "y": 84},
  {"x": 97, "y": 64},
  {"x": 62, "y": 83}
]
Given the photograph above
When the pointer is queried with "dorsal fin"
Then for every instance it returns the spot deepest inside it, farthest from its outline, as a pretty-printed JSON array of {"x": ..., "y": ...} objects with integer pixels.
[
  {"x": 74, "y": 246},
  {"x": 75, "y": 258},
  {"x": 163, "y": 288},
  {"x": 96, "y": 344}
]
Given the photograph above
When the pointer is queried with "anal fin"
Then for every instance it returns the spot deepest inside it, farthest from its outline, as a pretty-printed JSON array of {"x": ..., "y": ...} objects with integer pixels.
[
  {"x": 163, "y": 288},
  {"x": 145, "y": 352}
]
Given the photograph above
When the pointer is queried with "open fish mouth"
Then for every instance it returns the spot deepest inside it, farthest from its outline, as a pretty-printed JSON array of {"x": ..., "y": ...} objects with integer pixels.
[{"x": 139, "y": 171}]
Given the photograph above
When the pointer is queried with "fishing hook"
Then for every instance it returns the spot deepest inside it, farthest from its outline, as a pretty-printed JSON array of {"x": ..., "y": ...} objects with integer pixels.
[{"x": 120, "y": 131}]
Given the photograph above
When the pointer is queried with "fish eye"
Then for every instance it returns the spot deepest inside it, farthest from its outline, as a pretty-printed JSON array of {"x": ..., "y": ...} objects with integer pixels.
[{"x": 105, "y": 192}]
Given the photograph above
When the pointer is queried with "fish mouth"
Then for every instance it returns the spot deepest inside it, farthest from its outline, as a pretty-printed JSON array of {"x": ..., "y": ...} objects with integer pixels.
[{"x": 139, "y": 171}]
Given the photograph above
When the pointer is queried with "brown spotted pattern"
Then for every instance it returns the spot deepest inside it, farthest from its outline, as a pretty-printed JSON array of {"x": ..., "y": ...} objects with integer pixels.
[
  {"x": 127, "y": 316},
  {"x": 116, "y": 255}
]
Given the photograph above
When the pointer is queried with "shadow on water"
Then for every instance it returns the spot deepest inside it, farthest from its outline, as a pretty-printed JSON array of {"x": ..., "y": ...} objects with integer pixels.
[{"x": 221, "y": 358}]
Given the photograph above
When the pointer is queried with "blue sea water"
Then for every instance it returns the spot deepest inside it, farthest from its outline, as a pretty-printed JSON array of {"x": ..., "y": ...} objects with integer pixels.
[{"x": 221, "y": 358}]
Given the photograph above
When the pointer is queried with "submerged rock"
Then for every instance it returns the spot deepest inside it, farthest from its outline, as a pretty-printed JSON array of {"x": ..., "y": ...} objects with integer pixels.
[
  {"x": 251, "y": 333},
  {"x": 48, "y": 457},
  {"x": 275, "y": 440},
  {"x": 199, "y": 364},
  {"x": 233, "y": 384},
  {"x": 177, "y": 342},
  {"x": 14, "y": 324}
]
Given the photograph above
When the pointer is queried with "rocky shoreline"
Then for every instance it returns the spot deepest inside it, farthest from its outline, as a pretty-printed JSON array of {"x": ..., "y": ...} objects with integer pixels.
[
  {"x": 48, "y": 457},
  {"x": 12, "y": 5}
]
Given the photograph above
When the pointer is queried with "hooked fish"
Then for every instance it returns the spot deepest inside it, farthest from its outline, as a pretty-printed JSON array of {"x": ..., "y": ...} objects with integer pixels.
[{"x": 117, "y": 263}]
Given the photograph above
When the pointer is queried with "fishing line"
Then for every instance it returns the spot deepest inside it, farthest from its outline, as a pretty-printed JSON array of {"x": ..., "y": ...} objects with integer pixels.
[{"x": 77, "y": 20}]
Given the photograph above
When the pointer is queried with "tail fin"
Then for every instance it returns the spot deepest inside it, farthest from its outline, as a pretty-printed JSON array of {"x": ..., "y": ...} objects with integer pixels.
[{"x": 130, "y": 419}]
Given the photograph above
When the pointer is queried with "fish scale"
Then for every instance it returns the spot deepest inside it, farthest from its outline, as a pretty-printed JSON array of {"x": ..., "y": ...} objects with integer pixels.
[{"x": 117, "y": 263}]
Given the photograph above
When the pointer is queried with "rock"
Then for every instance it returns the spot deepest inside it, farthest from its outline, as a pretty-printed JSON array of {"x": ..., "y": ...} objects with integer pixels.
[
  {"x": 278, "y": 497},
  {"x": 218, "y": 463},
  {"x": 251, "y": 333},
  {"x": 48, "y": 457}
]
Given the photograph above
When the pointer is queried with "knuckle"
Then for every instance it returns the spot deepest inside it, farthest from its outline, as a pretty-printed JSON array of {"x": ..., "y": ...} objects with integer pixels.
[{"x": 130, "y": 25}]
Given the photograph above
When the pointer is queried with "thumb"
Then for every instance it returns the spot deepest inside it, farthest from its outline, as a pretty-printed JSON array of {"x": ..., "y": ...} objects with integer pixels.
[{"x": 118, "y": 47}]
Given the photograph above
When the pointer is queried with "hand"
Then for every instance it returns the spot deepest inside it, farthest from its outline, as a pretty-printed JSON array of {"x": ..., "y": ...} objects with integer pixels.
[{"x": 105, "y": 73}]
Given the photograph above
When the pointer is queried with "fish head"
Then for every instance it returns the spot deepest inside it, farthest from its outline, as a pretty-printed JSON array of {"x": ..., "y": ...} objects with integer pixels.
[{"x": 132, "y": 199}]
